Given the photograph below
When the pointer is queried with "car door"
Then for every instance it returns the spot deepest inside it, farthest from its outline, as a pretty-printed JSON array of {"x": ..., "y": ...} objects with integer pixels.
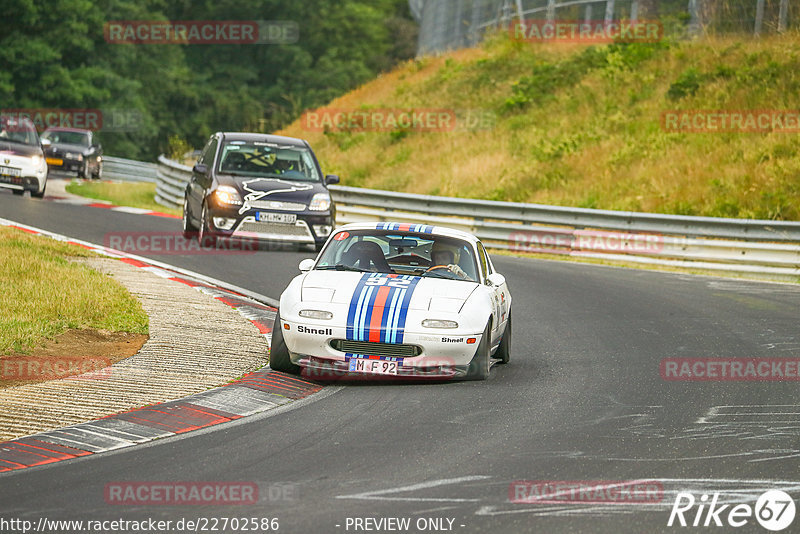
[
  {"x": 497, "y": 295},
  {"x": 196, "y": 188}
]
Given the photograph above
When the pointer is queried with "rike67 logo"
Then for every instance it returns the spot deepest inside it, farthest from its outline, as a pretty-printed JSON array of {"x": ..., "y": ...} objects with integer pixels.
[{"x": 774, "y": 510}]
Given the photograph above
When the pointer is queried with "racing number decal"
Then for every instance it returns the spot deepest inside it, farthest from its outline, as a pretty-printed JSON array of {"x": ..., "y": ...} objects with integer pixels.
[{"x": 391, "y": 282}]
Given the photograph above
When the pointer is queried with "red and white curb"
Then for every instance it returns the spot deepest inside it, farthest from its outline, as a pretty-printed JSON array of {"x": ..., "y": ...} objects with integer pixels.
[
  {"x": 255, "y": 392},
  {"x": 109, "y": 206}
]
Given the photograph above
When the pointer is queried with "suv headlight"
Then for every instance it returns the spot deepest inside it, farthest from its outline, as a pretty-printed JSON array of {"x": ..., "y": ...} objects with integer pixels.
[
  {"x": 226, "y": 194},
  {"x": 320, "y": 202},
  {"x": 36, "y": 160}
]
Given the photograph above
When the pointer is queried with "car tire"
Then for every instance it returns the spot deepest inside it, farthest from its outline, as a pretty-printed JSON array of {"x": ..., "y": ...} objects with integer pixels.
[
  {"x": 18, "y": 192},
  {"x": 83, "y": 172},
  {"x": 478, "y": 368},
  {"x": 504, "y": 350},
  {"x": 39, "y": 195},
  {"x": 189, "y": 230},
  {"x": 98, "y": 174},
  {"x": 279, "y": 359},
  {"x": 204, "y": 235}
]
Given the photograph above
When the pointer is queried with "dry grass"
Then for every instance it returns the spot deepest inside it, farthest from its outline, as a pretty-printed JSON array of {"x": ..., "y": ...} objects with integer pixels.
[{"x": 591, "y": 138}]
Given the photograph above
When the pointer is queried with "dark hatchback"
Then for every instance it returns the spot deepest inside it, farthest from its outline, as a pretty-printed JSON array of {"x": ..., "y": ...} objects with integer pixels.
[
  {"x": 74, "y": 150},
  {"x": 258, "y": 187}
]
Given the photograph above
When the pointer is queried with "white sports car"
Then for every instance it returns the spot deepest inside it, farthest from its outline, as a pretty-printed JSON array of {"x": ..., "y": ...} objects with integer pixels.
[{"x": 394, "y": 300}]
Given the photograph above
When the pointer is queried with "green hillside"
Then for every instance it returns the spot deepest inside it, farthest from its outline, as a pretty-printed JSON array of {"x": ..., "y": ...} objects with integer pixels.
[{"x": 580, "y": 125}]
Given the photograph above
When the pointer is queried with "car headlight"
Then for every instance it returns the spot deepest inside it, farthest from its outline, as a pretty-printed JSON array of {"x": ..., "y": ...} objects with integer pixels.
[
  {"x": 226, "y": 194},
  {"x": 320, "y": 202},
  {"x": 36, "y": 160},
  {"x": 439, "y": 323},
  {"x": 316, "y": 314}
]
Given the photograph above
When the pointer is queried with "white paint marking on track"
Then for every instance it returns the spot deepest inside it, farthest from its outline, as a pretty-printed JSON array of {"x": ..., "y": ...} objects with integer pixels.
[{"x": 380, "y": 495}]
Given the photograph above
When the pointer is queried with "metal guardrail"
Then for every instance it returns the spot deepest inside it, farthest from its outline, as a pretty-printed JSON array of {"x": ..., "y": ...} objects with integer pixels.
[
  {"x": 745, "y": 246},
  {"x": 128, "y": 170},
  {"x": 172, "y": 180}
]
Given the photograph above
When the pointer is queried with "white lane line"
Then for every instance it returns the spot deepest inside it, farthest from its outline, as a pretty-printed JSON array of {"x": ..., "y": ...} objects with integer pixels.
[{"x": 379, "y": 495}]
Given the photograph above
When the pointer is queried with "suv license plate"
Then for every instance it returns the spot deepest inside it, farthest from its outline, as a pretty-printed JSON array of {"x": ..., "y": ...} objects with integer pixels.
[
  {"x": 283, "y": 218},
  {"x": 9, "y": 171},
  {"x": 380, "y": 367}
]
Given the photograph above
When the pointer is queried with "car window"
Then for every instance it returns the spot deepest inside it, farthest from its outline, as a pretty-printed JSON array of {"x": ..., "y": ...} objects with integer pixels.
[
  {"x": 484, "y": 260},
  {"x": 67, "y": 138},
  {"x": 209, "y": 150},
  {"x": 18, "y": 130},
  {"x": 263, "y": 160},
  {"x": 400, "y": 253}
]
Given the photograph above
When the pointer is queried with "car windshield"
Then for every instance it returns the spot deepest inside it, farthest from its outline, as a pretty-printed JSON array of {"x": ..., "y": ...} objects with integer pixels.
[
  {"x": 67, "y": 138},
  {"x": 256, "y": 159},
  {"x": 16, "y": 130},
  {"x": 411, "y": 253}
]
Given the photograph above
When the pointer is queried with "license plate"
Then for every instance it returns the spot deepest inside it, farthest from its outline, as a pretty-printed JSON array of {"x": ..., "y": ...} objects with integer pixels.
[
  {"x": 284, "y": 218},
  {"x": 9, "y": 171},
  {"x": 54, "y": 161},
  {"x": 378, "y": 367}
]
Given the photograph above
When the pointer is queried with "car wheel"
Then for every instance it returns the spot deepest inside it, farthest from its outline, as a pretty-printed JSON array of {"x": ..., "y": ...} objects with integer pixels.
[
  {"x": 478, "y": 368},
  {"x": 504, "y": 350},
  {"x": 278, "y": 352},
  {"x": 18, "y": 192},
  {"x": 39, "y": 195},
  {"x": 189, "y": 230},
  {"x": 204, "y": 235},
  {"x": 83, "y": 172},
  {"x": 98, "y": 173}
]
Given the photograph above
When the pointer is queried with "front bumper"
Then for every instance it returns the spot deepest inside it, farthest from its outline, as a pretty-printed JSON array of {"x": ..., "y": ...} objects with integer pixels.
[
  {"x": 311, "y": 228},
  {"x": 31, "y": 178},
  {"x": 61, "y": 164},
  {"x": 439, "y": 356},
  {"x": 325, "y": 369}
]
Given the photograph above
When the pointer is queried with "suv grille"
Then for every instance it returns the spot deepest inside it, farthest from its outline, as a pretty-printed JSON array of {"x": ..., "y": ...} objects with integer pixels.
[{"x": 376, "y": 349}]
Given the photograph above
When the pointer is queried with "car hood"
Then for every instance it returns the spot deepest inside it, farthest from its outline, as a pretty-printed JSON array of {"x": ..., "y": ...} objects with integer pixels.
[
  {"x": 65, "y": 147},
  {"x": 260, "y": 192},
  {"x": 427, "y": 293},
  {"x": 16, "y": 149}
]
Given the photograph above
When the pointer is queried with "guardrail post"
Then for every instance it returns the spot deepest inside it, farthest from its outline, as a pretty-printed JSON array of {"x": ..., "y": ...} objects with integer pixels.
[
  {"x": 609, "y": 11},
  {"x": 759, "y": 18},
  {"x": 783, "y": 15}
]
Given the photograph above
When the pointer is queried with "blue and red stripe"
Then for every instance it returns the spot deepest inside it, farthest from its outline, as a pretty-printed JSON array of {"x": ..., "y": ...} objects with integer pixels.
[
  {"x": 404, "y": 227},
  {"x": 379, "y": 307}
]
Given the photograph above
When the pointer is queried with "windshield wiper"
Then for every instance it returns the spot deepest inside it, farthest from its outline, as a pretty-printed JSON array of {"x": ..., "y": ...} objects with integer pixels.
[{"x": 341, "y": 267}]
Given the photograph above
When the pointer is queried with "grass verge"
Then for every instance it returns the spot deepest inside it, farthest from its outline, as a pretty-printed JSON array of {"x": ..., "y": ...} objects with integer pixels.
[
  {"x": 134, "y": 194},
  {"x": 43, "y": 294}
]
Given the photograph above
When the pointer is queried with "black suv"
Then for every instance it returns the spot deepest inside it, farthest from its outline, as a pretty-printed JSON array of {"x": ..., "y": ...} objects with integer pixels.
[{"x": 258, "y": 186}]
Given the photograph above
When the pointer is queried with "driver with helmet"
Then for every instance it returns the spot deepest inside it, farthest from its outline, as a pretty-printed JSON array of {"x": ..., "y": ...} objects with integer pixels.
[{"x": 445, "y": 256}]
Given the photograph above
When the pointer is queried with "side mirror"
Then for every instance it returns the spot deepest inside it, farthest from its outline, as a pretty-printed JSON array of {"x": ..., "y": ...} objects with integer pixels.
[
  {"x": 46, "y": 143},
  {"x": 306, "y": 265},
  {"x": 331, "y": 179},
  {"x": 200, "y": 168},
  {"x": 496, "y": 279}
]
